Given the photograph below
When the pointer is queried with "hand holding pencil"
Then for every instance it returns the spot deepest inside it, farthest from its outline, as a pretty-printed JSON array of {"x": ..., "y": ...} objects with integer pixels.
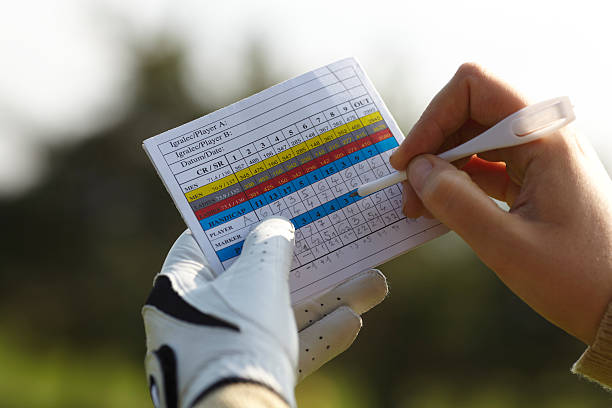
[{"x": 554, "y": 247}]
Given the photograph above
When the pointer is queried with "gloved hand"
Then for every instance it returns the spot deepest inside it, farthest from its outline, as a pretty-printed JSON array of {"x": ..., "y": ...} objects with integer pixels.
[
  {"x": 205, "y": 331},
  {"x": 329, "y": 323}
]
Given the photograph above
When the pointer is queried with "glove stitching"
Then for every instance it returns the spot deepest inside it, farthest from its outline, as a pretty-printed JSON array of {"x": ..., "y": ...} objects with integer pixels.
[{"x": 173, "y": 320}]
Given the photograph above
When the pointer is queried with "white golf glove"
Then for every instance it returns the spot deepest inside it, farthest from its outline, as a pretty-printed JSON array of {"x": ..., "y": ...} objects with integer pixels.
[
  {"x": 205, "y": 331},
  {"x": 329, "y": 323}
]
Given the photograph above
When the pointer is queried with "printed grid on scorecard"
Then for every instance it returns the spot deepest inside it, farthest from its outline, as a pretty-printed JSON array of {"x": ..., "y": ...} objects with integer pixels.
[{"x": 297, "y": 149}]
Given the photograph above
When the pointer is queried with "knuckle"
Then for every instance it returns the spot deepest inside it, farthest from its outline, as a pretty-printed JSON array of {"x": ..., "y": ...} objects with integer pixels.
[{"x": 470, "y": 69}]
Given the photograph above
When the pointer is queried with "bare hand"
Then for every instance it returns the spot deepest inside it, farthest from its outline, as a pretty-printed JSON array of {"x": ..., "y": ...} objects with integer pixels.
[{"x": 554, "y": 247}]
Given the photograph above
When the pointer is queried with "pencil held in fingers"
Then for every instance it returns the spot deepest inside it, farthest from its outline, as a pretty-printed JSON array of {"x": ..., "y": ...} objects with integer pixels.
[{"x": 527, "y": 125}]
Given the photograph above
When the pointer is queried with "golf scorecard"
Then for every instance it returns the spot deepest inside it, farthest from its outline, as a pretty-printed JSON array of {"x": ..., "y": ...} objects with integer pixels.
[{"x": 297, "y": 149}]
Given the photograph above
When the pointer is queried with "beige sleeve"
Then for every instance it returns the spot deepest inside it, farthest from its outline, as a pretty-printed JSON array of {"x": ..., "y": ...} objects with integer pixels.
[
  {"x": 242, "y": 395},
  {"x": 595, "y": 364}
]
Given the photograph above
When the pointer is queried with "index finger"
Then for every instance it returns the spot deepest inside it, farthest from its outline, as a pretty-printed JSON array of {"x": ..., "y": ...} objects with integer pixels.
[{"x": 472, "y": 94}]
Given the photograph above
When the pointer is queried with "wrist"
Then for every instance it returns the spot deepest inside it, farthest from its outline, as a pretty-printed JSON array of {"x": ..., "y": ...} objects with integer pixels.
[{"x": 276, "y": 375}]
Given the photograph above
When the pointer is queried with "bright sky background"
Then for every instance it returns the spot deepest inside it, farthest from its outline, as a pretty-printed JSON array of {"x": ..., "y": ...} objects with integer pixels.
[{"x": 64, "y": 69}]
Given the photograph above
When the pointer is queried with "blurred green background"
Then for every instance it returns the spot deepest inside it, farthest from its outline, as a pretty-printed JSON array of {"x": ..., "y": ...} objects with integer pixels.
[{"x": 80, "y": 247}]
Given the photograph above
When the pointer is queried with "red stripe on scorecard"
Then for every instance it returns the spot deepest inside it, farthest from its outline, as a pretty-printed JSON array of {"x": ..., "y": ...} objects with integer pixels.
[
  {"x": 254, "y": 192},
  {"x": 294, "y": 173},
  {"x": 280, "y": 180},
  {"x": 259, "y": 190},
  {"x": 310, "y": 166},
  {"x": 288, "y": 176},
  {"x": 337, "y": 155},
  {"x": 351, "y": 147},
  {"x": 363, "y": 143},
  {"x": 267, "y": 186},
  {"x": 273, "y": 183},
  {"x": 380, "y": 135},
  {"x": 285, "y": 178},
  {"x": 221, "y": 206},
  {"x": 323, "y": 160}
]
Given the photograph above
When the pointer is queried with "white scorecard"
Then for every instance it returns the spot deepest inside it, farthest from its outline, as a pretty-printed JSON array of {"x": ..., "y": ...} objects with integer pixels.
[{"x": 297, "y": 149}]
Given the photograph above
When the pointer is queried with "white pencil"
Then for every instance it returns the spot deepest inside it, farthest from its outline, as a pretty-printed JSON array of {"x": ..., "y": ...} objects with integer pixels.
[{"x": 526, "y": 125}]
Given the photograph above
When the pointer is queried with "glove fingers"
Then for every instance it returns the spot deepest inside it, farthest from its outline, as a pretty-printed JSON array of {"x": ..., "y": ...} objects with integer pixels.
[
  {"x": 360, "y": 292},
  {"x": 326, "y": 338}
]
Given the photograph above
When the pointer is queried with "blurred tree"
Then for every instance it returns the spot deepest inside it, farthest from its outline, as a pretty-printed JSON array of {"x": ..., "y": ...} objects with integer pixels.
[{"x": 81, "y": 249}]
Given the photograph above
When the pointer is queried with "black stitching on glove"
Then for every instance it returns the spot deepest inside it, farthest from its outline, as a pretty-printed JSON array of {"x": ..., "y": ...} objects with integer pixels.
[{"x": 167, "y": 361}]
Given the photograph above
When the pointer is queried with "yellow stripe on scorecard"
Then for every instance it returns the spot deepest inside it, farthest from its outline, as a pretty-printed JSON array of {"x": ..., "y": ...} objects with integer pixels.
[
  {"x": 314, "y": 142},
  {"x": 244, "y": 174},
  {"x": 327, "y": 136},
  {"x": 211, "y": 188},
  {"x": 257, "y": 168},
  {"x": 271, "y": 162},
  {"x": 299, "y": 149},
  {"x": 341, "y": 130},
  {"x": 371, "y": 118},
  {"x": 286, "y": 155},
  {"x": 354, "y": 125}
]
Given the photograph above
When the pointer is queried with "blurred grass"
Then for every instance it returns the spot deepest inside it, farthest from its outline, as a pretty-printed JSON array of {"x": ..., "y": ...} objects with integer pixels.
[
  {"x": 62, "y": 378},
  {"x": 37, "y": 378}
]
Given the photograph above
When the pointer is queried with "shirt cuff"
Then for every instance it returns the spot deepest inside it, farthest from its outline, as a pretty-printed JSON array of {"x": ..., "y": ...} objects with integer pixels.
[{"x": 595, "y": 364}]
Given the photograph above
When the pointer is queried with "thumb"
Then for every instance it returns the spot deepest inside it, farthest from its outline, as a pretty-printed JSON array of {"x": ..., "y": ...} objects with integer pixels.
[
  {"x": 257, "y": 283},
  {"x": 452, "y": 197},
  {"x": 267, "y": 252}
]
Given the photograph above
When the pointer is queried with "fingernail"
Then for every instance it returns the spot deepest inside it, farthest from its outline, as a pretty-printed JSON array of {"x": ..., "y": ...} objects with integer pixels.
[
  {"x": 391, "y": 159},
  {"x": 418, "y": 171}
]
